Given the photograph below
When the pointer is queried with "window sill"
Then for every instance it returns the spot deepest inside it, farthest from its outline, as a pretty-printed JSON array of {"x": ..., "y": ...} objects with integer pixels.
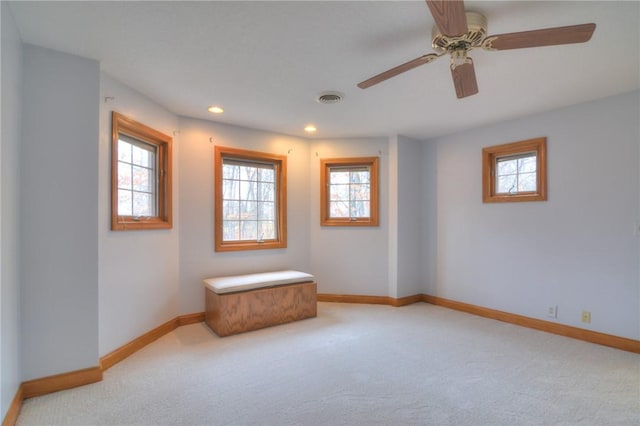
[
  {"x": 514, "y": 198},
  {"x": 348, "y": 222},
  {"x": 130, "y": 224},
  {"x": 249, "y": 245}
]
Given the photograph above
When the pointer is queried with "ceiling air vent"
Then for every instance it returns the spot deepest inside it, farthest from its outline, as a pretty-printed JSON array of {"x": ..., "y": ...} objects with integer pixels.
[{"x": 330, "y": 97}]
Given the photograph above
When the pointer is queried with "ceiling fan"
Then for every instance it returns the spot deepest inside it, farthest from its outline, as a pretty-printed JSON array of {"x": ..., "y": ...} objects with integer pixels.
[{"x": 457, "y": 32}]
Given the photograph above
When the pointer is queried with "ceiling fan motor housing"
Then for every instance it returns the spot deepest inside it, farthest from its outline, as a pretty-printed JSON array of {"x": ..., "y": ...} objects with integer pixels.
[
  {"x": 477, "y": 25},
  {"x": 464, "y": 31}
]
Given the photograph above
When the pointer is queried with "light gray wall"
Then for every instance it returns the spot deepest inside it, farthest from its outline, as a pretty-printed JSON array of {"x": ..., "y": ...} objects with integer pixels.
[
  {"x": 86, "y": 290},
  {"x": 410, "y": 217},
  {"x": 392, "y": 209},
  {"x": 138, "y": 276},
  {"x": 59, "y": 213},
  {"x": 577, "y": 250},
  {"x": 11, "y": 94},
  {"x": 429, "y": 230},
  {"x": 350, "y": 260},
  {"x": 197, "y": 257}
]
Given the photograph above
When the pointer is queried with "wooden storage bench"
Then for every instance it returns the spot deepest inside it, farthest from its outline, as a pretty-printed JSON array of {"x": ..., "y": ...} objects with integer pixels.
[{"x": 242, "y": 303}]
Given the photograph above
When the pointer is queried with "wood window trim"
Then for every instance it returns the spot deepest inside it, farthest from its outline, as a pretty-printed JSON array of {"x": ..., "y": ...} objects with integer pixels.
[
  {"x": 280, "y": 166},
  {"x": 489, "y": 160},
  {"x": 163, "y": 143},
  {"x": 325, "y": 166}
]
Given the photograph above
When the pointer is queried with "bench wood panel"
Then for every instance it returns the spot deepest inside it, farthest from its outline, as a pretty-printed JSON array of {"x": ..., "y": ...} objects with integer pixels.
[{"x": 233, "y": 313}]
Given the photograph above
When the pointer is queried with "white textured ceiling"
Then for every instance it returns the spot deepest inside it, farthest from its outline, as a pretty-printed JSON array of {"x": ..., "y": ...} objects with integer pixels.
[{"x": 266, "y": 62}]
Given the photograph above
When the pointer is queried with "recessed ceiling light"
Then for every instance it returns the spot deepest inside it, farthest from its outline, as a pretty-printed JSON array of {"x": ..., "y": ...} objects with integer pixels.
[
  {"x": 310, "y": 128},
  {"x": 215, "y": 109}
]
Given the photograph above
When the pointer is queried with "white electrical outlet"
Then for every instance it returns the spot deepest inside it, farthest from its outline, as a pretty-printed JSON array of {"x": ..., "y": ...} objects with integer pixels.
[
  {"x": 552, "y": 311},
  {"x": 636, "y": 229}
]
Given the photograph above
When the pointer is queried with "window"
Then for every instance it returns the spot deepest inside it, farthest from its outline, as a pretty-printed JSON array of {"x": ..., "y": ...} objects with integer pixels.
[
  {"x": 515, "y": 172},
  {"x": 250, "y": 200},
  {"x": 140, "y": 176},
  {"x": 349, "y": 192}
]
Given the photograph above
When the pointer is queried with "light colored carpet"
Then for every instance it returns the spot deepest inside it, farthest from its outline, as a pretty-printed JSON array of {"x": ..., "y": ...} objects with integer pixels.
[{"x": 359, "y": 365}]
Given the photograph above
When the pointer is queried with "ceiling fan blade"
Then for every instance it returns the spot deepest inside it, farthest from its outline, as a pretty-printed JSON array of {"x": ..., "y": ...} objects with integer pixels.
[
  {"x": 449, "y": 16},
  {"x": 536, "y": 38},
  {"x": 464, "y": 79},
  {"x": 425, "y": 59}
]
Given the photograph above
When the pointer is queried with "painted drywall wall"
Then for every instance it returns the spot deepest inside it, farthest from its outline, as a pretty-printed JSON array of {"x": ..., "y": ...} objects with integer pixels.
[
  {"x": 350, "y": 260},
  {"x": 59, "y": 213},
  {"x": 410, "y": 218},
  {"x": 429, "y": 229},
  {"x": 11, "y": 112},
  {"x": 392, "y": 216},
  {"x": 138, "y": 278},
  {"x": 198, "y": 260},
  {"x": 577, "y": 250}
]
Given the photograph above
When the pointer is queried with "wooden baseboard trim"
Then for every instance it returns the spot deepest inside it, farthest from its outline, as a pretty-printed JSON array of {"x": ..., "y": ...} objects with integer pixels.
[
  {"x": 370, "y": 300},
  {"x": 59, "y": 382},
  {"x": 190, "y": 319},
  {"x": 408, "y": 300},
  {"x": 138, "y": 343},
  {"x": 86, "y": 376},
  {"x": 354, "y": 298},
  {"x": 617, "y": 342},
  {"x": 11, "y": 418}
]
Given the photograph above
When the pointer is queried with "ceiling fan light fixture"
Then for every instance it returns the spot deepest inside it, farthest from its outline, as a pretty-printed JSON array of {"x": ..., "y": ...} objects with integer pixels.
[{"x": 459, "y": 57}]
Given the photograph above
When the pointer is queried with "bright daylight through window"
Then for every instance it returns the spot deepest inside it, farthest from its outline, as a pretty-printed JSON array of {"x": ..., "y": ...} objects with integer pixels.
[
  {"x": 349, "y": 192},
  {"x": 137, "y": 186},
  {"x": 141, "y": 176},
  {"x": 515, "y": 172},
  {"x": 250, "y": 200}
]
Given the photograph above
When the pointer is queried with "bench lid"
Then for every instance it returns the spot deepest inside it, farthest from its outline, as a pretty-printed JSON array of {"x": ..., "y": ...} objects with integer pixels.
[{"x": 234, "y": 283}]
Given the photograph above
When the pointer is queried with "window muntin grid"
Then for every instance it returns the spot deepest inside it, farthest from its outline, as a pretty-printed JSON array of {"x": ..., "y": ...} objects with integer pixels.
[
  {"x": 140, "y": 176},
  {"x": 249, "y": 197},
  {"x": 516, "y": 173},
  {"x": 262, "y": 184},
  {"x": 137, "y": 178},
  {"x": 349, "y": 192}
]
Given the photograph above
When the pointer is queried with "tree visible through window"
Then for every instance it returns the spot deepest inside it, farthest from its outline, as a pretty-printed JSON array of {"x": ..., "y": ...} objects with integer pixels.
[
  {"x": 515, "y": 172},
  {"x": 250, "y": 200},
  {"x": 349, "y": 192},
  {"x": 140, "y": 176},
  {"x": 137, "y": 188}
]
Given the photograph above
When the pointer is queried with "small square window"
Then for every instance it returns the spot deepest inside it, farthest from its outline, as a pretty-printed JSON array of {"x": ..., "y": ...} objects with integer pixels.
[
  {"x": 349, "y": 192},
  {"x": 515, "y": 172}
]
